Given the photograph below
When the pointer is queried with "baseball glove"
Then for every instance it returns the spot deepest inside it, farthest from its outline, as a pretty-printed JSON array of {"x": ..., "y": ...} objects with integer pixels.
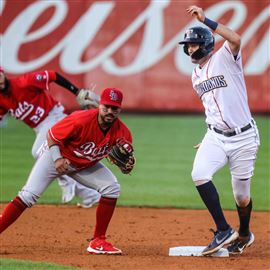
[{"x": 122, "y": 156}]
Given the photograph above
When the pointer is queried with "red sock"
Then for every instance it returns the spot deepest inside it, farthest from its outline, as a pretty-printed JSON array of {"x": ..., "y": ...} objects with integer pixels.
[
  {"x": 12, "y": 211},
  {"x": 104, "y": 214}
]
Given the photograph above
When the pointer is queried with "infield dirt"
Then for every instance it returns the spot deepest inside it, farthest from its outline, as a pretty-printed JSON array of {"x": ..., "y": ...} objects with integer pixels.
[{"x": 59, "y": 234}]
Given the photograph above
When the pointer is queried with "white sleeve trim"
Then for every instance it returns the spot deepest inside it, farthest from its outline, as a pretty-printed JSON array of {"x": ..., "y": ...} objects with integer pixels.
[
  {"x": 47, "y": 80},
  {"x": 53, "y": 137}
]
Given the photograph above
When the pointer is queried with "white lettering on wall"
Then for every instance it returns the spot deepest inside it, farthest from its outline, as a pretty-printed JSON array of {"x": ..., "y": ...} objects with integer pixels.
[
  {"x": 2, "y": 6},
  {"x": 151, "y": 49},
  {"x": 17, "y": 34},
  {"x": 259, "y": 61}
]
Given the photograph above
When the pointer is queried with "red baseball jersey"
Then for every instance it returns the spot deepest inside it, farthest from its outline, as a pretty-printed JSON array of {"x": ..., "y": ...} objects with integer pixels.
[
  {"x": 28, "y": 98},
  {"x": 82, "y": 141}
]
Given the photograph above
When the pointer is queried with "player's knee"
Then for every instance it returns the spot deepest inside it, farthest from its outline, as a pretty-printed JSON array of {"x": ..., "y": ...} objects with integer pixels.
[
  {"x": 199, "y": 174},
  {"x": 241, "y": 191},
  {"x": 28, "y": 197},
  {"x": 111, "y": 191},
  {"x": 242, "y": 200}
]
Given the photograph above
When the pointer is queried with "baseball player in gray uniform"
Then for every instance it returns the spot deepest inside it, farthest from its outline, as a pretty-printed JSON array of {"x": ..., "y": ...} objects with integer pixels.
[
  {"x": 75, "y": 146},
  {"x": 232, "y": 136},
  {"x": 27, "y": 99}
]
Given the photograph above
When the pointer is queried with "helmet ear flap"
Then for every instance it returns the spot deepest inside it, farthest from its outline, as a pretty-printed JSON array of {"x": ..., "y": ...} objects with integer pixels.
[{"x": 198, "y": 54}]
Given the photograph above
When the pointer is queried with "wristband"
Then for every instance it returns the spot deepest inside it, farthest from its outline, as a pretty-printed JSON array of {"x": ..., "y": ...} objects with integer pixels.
[
  {"x": 211, "y": 24},
  {"x": 55, "y": 152}
]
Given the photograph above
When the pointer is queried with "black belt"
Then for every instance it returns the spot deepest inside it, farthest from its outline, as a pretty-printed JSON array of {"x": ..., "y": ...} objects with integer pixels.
[{"x": 230, "y": 133}]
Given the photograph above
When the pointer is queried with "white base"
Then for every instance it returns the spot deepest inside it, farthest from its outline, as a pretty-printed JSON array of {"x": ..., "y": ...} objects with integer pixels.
[{"x": 195, "y": 251}]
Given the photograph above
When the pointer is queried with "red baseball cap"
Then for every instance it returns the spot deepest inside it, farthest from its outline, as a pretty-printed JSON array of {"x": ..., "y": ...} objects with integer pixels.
[
  {"x": 1, "y": 69},
  {"x": 112, "y": 97}
]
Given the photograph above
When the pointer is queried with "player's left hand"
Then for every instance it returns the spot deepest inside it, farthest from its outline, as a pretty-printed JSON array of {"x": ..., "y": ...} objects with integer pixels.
[
  {"x": 122, "y": 155},
  {"x": 88, "y": 99},
  {"x": 196, "y": 12}
]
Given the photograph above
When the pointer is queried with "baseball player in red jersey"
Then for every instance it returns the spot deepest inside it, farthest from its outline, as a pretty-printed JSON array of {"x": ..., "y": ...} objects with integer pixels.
[
  {"x": 232, "y": 136},
  {"x": 77, "y": 144},
  {"x": 27, "y": 98}
]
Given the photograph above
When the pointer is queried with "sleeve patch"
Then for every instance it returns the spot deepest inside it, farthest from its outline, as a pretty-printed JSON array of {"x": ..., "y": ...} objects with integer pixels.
[{"x": 38, "y": 77}]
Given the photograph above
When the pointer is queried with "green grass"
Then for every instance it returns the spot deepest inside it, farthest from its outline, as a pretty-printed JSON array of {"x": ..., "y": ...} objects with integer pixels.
[
  {"x": 11, "y": 264},
  {"x": 164, "y": 152}
]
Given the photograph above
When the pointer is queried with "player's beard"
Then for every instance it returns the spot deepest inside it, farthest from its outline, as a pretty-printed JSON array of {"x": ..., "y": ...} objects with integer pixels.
[{"x": 106, "y": 123}]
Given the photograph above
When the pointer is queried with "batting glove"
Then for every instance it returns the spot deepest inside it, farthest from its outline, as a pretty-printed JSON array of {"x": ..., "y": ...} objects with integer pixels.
[{"x": 88, "y": 99}]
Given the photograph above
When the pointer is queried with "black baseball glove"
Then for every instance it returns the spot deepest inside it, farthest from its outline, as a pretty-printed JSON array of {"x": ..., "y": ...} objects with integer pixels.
[{"x": 122, "y": 155}]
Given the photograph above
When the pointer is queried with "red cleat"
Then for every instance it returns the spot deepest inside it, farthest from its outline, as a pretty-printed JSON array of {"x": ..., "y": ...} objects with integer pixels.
[{"x": 100, "y": 246}]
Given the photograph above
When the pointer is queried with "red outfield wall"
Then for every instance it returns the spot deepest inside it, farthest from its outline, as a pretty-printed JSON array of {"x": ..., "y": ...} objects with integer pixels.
[{"x": 132, "y": 45}]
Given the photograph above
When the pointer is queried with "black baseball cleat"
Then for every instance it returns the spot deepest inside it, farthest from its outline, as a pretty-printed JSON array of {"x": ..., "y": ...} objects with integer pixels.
[
  {"x": 221, "y": 238},
  {"x": 240, "y": 244}
]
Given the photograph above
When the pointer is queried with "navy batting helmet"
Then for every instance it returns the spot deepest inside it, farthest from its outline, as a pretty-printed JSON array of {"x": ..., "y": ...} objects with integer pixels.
[{"x": 203, "y": 37}]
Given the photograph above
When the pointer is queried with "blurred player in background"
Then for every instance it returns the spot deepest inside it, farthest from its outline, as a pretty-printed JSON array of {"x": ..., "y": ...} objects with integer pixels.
[
  {"x": 232, "y": 136},
  {"x": 27, "y": 98},
  {"x": 77, "y": 144}
]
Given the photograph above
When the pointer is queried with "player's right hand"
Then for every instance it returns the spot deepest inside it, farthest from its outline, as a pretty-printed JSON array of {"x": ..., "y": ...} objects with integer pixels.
[
  {"x": 88, "y": 99},
  {"x": 62, "y": 165},
  {"x": 196, "y": 12}
]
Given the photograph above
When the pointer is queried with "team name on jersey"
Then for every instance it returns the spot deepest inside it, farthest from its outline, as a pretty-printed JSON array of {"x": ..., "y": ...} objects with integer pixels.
[
  {"x": 22, "y": 111},
  {"x": 90, "y": 151},
  {"x": 210, "y": 84}
]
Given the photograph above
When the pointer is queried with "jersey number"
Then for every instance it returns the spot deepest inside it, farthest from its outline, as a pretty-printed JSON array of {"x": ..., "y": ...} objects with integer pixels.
[{"x": 38, "y": 114}]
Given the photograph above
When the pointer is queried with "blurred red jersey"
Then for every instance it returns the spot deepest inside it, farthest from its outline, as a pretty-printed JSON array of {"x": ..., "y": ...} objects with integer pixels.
[
  {"x": 82, "y": 141},
  {"x": 28, "y": 98}
]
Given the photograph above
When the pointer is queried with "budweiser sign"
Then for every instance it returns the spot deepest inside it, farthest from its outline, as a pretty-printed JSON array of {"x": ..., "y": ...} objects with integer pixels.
[{"x": 104, "y": 41}]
